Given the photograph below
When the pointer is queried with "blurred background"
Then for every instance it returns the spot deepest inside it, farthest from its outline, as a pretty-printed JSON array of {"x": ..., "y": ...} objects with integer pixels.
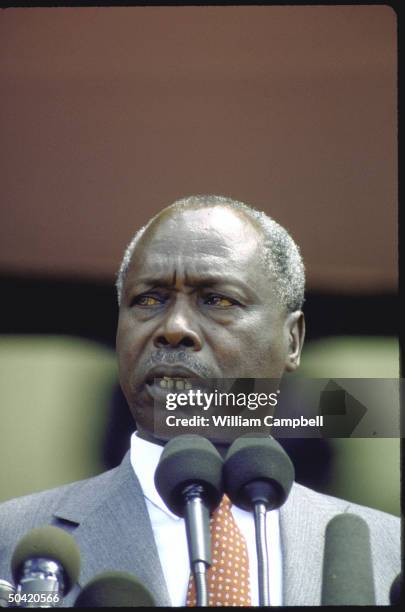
[{"x": 108, "y": 115}]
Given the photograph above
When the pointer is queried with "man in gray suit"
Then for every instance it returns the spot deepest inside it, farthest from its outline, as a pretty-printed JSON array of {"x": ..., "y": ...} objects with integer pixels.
[{"x": 209, "y": 288}]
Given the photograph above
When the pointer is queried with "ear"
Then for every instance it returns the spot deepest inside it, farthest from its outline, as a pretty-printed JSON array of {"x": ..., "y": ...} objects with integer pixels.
[{"x": 295, "y": 329}]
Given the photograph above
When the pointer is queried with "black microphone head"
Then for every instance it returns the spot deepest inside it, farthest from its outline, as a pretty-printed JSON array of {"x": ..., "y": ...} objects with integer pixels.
[
  {"x": 50, "y": 543},
  {"x": 189, "y": 459},
  {"x": 257, "y": 459},
  {"x": 396, "y": 591},
  {"x": 114, "y": 589},
  {"x": 347, "y": 568}
]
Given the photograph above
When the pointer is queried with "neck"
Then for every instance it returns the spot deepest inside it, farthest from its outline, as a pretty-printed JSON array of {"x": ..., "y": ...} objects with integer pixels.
[{"x": 222, "y": 447}]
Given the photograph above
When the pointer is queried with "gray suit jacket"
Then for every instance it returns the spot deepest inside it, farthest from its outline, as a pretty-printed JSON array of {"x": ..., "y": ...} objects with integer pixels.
[{"x": 107, "y": 516}]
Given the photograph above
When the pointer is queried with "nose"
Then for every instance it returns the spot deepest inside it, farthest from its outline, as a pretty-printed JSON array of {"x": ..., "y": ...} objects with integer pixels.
[{"x": 178, "y": 330}]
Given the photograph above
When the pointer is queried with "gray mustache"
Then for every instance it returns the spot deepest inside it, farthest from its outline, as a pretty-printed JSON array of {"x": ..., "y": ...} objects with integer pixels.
[{"x": 163, "y": 357}]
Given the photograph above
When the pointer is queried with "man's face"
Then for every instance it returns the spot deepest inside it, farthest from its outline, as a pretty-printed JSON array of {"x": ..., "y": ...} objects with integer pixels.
[{"x": 198, "y": 303}]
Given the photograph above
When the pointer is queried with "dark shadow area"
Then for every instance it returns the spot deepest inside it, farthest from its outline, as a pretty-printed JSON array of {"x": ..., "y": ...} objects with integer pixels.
[{"x": 31, "y": 305}]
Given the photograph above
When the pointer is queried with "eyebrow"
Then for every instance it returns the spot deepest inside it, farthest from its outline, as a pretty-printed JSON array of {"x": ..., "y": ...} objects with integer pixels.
[{"x": 211, "y": 280}]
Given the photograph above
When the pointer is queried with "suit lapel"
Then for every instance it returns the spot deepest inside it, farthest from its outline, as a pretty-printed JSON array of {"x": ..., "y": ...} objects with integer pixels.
[
  {"x": 302, "y": 546},
  {"x": 114, "y": 531}
]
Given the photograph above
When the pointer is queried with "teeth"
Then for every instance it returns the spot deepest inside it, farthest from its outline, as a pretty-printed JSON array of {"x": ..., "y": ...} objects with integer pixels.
[{"x": 174, "y": 383}]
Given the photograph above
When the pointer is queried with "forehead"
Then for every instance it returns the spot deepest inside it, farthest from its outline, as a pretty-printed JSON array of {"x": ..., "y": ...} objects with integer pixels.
[{"x": 201, "y": 238}]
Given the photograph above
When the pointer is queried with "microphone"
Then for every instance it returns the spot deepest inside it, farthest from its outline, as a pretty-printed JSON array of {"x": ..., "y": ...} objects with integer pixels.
[
  {"x": 396, "y": 591},
  {"x": 347, "y": 569},
  {"x": 189, "y": 480},
  {"x": 6, "y": 589},
  {"x": 114, "y": 589},
  {"x": 45, "y": 566},
  {"x": 258, "y": 476}
]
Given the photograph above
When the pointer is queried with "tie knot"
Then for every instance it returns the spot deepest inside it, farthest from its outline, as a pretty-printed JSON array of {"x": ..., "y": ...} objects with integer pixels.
[
  {"x": 223, "y": 510},
  {"x": 224, "y": 507},
  {"x": 225, "y": 503}
]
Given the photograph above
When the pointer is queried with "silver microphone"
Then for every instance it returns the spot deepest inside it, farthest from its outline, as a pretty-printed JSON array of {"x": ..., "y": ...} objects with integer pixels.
[
  {"x": 6, "y": 590},
  {"x": 45, "y": 566}
]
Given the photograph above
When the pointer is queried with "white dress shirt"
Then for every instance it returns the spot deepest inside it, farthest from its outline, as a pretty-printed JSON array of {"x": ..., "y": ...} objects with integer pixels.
[{"x": 170, "y": 532}]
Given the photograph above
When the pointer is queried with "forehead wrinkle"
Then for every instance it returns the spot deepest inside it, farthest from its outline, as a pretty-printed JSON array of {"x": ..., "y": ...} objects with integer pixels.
[
  {"x": 166, "y": 264},
  {"x": 174, "y": 272},
  {"x": 196, "y": 274},
  {"x": 193, "y": 247}
]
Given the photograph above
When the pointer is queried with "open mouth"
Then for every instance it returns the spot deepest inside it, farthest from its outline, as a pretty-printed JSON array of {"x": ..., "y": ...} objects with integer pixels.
[
  {"x": 162, "y": 381},
  {"x": 159, "y": 388}
]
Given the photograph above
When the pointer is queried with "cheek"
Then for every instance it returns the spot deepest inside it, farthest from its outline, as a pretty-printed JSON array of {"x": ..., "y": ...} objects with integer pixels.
[
  {"x": 126, "y": 347},
  {"x": 253, "y": 350},
  {"x": 235, "y": 350}
]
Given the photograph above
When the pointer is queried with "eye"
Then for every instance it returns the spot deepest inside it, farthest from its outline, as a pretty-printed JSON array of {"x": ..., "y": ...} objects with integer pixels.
[
  {"x": 147, "y": 299},
  {"x": 213, "y": 299}
]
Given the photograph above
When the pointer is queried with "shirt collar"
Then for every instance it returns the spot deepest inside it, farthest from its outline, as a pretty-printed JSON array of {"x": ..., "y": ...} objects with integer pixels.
[{"x": 144, "y": 460}]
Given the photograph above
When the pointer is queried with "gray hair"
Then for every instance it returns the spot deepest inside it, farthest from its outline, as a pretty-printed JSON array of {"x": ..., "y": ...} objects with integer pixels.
[{"x": 281, "y": 255}]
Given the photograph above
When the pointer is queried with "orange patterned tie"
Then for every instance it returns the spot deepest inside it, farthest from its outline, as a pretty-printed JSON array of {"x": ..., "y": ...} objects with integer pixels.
[{"x": 228, "y": 576}]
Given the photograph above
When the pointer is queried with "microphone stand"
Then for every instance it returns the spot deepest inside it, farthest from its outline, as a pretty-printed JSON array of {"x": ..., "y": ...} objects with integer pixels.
[
  {"x": 261, "y": 494},
  {"x": 198, "y": 538},
  {"x": 260, "y": 512},
  {"x": 258, "y": 476}
]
